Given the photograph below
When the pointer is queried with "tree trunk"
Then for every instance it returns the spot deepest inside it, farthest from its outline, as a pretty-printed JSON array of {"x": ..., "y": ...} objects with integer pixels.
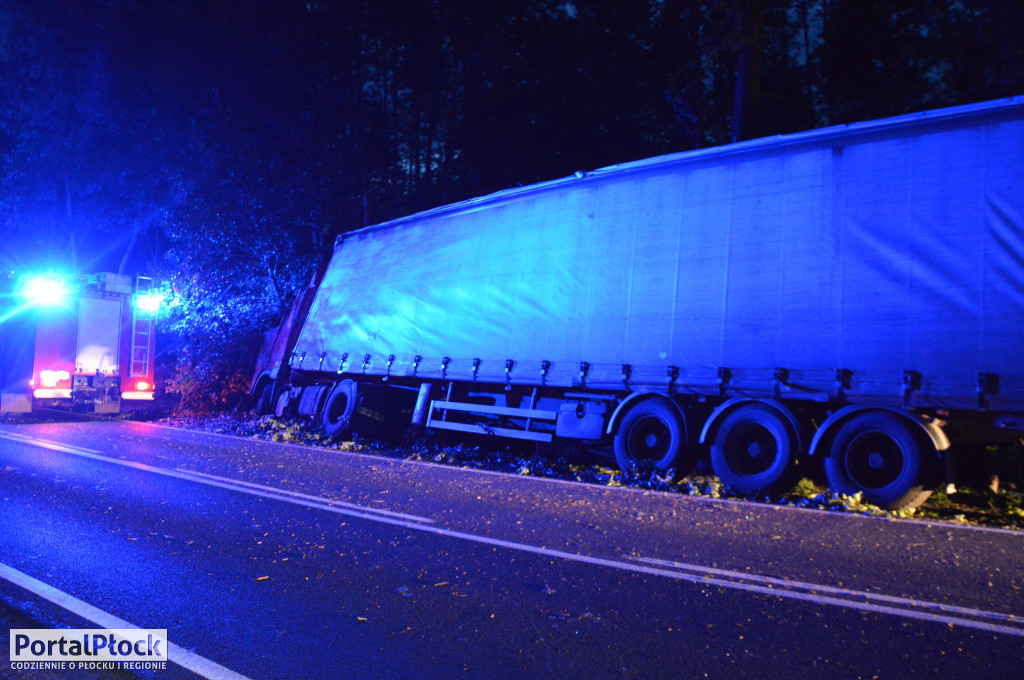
[
  {"x": 70, "y": 226},
  {"x": 749, "y": 15}
]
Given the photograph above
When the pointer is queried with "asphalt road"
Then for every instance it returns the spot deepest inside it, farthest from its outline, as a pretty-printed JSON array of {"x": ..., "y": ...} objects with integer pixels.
[{"x": 275, "y": 561}]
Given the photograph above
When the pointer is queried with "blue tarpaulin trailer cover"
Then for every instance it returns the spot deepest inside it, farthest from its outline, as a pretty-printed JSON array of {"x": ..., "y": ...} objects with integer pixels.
[{"x": 881, "y": 260}]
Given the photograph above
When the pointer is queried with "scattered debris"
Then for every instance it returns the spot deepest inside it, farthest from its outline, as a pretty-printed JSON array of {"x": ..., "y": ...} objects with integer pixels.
[
  {"x": 1001, "y": 506},
  {"x": 566, "y": 616}
]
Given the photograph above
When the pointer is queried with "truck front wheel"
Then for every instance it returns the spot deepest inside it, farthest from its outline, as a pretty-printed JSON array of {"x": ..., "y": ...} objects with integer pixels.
[
  {"x": 339, "y": 407},
  {"x": 265, "y": 398},
  {"x": 651, "y": 434},
  {"x": 883, "y": 457},
  {"x": 755, "y": 450}
]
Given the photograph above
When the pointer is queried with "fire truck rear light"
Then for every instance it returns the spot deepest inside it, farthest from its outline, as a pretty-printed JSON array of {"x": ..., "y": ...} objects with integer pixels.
[
  {"x": 52, "y": 394},
  {"x": 51, "y": 378},
  {"x": 142, "y": 386}
]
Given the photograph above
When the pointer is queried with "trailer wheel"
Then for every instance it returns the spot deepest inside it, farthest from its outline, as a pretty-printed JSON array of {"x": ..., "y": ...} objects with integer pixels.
[
  {"x": 283, "y": 405},
  {"x": 755, "y": 450},
  {"x": 883, "y": 457},
  {"x": 339, "y": 407},
  {"x": 651, "y": 434}
]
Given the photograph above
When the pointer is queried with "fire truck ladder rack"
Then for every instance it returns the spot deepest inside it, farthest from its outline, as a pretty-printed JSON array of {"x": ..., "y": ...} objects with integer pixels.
[{"x": 142, "y": 331}]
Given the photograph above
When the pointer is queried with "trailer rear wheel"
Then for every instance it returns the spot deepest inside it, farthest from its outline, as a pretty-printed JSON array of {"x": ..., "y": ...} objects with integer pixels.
[
  {"x": 883, "y": 457},
  {"x": 754, "y": 450},
  {"x": 651, "y": 434},
  {"x": 339, "y": 407}
]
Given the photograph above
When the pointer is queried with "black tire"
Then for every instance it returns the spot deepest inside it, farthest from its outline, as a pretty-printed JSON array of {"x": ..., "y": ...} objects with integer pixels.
[
  {"x": 755, "y": 450},
  {"x": 265, "y": 399},
  {"x": 339, "y": 407},
  {"x": 882, "y": 456},
  {"x": 652, "y": 434},
  {"x": 283, "y": 405}
]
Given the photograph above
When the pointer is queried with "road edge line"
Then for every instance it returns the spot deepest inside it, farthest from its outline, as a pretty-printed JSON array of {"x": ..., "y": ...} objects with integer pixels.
[{"x": 189, "y": 660}]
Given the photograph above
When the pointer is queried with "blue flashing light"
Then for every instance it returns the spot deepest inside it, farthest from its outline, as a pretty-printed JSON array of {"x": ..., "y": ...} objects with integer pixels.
[
  {"x": 45, "y": 291},
  {"x": 148, "y": 302}
]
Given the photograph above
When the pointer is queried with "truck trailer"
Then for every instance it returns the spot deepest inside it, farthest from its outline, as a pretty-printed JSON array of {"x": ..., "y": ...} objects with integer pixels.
[
  {"x": 81, "y": 342},
  {"x": 853, "y": 294}
]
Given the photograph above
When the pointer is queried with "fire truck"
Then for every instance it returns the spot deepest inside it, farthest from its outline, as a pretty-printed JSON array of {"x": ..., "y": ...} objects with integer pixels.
[{"x": 85, "y": 342}]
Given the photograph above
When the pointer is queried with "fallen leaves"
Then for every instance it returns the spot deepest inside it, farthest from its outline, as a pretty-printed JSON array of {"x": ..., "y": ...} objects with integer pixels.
[{"x": 990, "y": 507}]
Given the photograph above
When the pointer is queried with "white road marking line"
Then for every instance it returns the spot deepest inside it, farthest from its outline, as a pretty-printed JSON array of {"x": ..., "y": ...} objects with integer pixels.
[
  {"x": 318, "y": 502},
  {"x": 319, "y": 499},
  {"x": 43, "y": 443},
  {"x": 763, "y": 585},
  {"x": 178, "y": 655},
  {"x": 751, "y": 587},
  {"x": 841, "y": 592}
]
